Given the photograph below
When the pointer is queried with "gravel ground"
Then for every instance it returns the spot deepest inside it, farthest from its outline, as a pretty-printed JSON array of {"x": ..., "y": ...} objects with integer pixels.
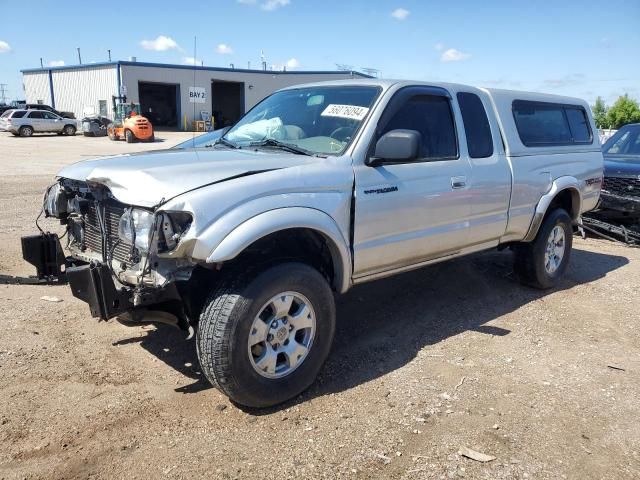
[{"x": 424, "y": 364}]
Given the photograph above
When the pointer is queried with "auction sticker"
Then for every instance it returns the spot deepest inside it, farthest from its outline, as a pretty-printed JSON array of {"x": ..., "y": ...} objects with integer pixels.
[{"x": 352, "y": 112}]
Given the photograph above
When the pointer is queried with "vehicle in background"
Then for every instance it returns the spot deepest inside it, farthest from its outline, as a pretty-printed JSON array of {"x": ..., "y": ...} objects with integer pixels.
[
  {"x": 316, "y": 189},
  {"x": 14, "y": 105},
  {"x": 37, "y": 106},
  {"x": 620, "y": 199},
  {"x": 128, "y": 124},
  {"x": 205, "y": 140},
  {"x": 95, "y": 126},
  {"x": 25, "y": 123},
  {"x": 5, "y": 118}
]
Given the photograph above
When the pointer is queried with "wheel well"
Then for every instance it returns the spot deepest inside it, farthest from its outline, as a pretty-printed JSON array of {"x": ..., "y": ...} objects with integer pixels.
[
  {"x": 299, "y": 244},
  {"x": 569, "y": 200}
]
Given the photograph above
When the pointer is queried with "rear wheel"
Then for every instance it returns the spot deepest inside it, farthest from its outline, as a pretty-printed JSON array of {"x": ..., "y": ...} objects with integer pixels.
[
  {"x": 262, "y": 339},
  {"x": 542, "y": 262},
  {"x": 25, "y": 131},
  {"x": 69, "y": 130},
  {"x": 129, "y": 136}
]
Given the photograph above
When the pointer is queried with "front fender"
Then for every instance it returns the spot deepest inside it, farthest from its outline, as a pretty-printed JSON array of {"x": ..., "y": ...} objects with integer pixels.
[
  {"x": 559, "y": 184},
  {"x": 279, "y": 219}
]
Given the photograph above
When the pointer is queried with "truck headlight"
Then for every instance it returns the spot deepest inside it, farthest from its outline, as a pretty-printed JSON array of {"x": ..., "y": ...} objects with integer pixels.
[
  {"x": 55, "y": 201},
  {"x": 135, "y": 228}
]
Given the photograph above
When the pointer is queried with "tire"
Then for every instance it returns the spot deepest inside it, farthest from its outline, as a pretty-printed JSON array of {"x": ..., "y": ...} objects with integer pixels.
[
  {"x": 532, "y": 265},
  {"x": 129, "y": 136},
  {"x": 25, "y": 131},
  {"x": 152, "y": 138},
  {"x": 229, "y": 320},
  {"x": 69, "y": 130}
]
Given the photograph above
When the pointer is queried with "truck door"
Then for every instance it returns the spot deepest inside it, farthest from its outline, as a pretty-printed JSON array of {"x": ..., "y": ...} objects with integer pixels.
[
  {"x": 416, "y": 211},
  {"x": 489, "y": 184}
]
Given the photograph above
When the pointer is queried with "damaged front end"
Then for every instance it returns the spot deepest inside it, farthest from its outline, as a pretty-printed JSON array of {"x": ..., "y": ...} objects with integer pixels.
[{"x": 115, "y": 262}]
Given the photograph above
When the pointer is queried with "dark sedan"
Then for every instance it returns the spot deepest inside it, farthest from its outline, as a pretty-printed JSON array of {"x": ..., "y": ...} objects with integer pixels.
[{"x": 621, "y": 190}]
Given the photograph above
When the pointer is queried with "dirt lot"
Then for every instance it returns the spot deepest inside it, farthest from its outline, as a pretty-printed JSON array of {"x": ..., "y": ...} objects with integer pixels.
[{"x": 454, "y": 355}]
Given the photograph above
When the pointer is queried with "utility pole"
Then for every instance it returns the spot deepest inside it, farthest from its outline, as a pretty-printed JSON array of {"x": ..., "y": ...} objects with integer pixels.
[
  {"x": 79, "y": 57},
  {"x": 109, "y": 54},
  {"x": 3, "y": 93},
  {"x": 41, "y": 64}
]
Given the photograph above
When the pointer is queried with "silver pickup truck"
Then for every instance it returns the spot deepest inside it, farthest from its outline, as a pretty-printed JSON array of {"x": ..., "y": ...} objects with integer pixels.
[{"x": 319, "y": 187}]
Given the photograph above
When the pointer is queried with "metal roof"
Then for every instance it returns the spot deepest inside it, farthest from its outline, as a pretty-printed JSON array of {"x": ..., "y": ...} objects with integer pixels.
[{"x": 87, "y": 66}]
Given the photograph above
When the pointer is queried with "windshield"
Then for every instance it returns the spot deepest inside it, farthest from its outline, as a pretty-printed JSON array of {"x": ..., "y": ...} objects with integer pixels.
[
  {"x": 625, "y": 141},
  {"x": 317, "y": 120}
]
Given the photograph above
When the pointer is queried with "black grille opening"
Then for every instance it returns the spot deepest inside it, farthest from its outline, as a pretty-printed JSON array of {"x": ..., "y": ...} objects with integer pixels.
[
  {"x": 92, "y": 238},
  {"x": 625, "y": 187}
]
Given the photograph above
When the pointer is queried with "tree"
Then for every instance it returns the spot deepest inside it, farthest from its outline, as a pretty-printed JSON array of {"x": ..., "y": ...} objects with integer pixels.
[
  {"x": 600, "y": 113},
  {"x": 625, "y": 110}
]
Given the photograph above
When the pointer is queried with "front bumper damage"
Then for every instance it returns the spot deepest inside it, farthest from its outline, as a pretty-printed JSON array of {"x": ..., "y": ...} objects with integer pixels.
[{"x": 94, "y": 284}]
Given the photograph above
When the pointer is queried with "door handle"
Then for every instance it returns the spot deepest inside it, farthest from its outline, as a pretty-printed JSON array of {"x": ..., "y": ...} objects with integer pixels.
[{"x": 458, "y": 182}]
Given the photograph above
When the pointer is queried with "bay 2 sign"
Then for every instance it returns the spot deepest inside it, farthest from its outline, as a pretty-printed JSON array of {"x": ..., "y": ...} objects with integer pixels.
[{"x": 197, "y": 95}]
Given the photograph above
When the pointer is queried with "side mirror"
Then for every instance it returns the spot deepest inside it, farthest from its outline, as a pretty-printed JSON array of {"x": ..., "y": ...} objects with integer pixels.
[{"x": 396, "y": 146}]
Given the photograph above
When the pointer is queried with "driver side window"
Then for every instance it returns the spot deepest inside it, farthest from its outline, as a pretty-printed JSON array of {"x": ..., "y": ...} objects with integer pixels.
[{"x": 431, "y": 115}]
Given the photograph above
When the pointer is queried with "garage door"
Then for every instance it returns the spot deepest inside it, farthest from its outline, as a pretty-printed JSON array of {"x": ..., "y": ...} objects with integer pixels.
[{"x": 159, "y": 103}]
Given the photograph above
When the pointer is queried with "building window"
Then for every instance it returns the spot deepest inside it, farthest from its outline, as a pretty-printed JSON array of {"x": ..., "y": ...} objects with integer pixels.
[{"x": 102, "y": 107}]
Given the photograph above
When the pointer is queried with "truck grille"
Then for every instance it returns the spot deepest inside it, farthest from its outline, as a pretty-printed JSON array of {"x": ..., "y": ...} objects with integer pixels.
[
  {"x": 93, "y": 240},
  {"x": 625, "y": 187}
]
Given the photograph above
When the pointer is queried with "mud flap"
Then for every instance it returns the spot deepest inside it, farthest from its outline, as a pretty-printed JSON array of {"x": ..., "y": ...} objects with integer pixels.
[
  {"x": 44, "y": 252},
  {"x": 94, "y": 285}
]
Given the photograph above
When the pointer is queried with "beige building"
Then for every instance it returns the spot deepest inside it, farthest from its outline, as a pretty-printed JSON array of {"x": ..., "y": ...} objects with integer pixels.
[{"x": 170, "y": 95}]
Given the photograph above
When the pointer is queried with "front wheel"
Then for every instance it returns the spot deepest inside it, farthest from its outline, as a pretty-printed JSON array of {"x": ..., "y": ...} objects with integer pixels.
[
  {"x": 69, "y": 130},
  {"x": 542, "y": 262},
  {"x": 262, "y": 340},
  {"x": 129, "y": 136}
]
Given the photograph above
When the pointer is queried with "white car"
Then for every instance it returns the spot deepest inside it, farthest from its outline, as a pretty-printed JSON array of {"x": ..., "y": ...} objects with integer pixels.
[{"x": 25, "y": 123}]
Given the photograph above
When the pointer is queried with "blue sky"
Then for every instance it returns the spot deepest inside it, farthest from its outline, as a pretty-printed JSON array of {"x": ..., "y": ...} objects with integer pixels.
[{"x": 582, "y": 48}]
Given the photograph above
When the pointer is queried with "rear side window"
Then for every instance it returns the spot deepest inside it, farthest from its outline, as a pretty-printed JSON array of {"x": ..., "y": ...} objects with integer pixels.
[
  {"x": 431, "y": 116},
  {"x": 476, "y": 125},
  {"x": 36, "y": 114},
  {"x": 542, "y": 124},
  {"x": 18, "y": 114}
]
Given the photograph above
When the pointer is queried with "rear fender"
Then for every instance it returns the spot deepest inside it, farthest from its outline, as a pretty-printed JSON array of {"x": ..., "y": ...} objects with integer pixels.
[{"x": 560, "y": 184}]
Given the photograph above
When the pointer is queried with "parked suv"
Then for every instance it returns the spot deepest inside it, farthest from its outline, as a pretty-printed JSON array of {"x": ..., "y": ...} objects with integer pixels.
[
  {"x": 318, "y": 188},
  {"x": 37, "y": 106},
  {"x": 25, "y": 123},
  {"x": 621, "y": 189}
]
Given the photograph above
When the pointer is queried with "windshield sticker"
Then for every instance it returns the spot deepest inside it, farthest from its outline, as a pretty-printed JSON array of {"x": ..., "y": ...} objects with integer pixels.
[{"x": 352, "y": 112}]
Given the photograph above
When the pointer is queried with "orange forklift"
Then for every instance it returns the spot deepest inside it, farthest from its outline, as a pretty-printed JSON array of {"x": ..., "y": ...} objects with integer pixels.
[{"x": 128, "y": 123}]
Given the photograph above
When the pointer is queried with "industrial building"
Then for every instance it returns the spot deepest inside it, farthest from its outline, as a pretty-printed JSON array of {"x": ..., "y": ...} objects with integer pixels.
[{"x": 171, "y": 96}]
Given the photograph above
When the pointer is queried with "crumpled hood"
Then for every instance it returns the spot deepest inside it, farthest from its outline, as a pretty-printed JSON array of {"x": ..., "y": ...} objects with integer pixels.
[{"x": 146, "y": 179}]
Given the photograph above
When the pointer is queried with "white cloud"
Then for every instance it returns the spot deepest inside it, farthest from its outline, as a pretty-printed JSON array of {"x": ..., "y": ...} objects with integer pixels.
[
  {"x": 191, "y": 61},
  {"x": 271, "y": 5},
  {"x": 400, "y": 13},
  {"x": 56, "y": 63},
  {"x": 292, "y": 64},
  {"x": 439, "y": 46},
  {"x": 268, "y": 5},
  {"x": 224, "y": 49},
  {"x": 4, "y": 47},
  {"x": 453, "y": 55},
  {"x": 160, "y": 44}
]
